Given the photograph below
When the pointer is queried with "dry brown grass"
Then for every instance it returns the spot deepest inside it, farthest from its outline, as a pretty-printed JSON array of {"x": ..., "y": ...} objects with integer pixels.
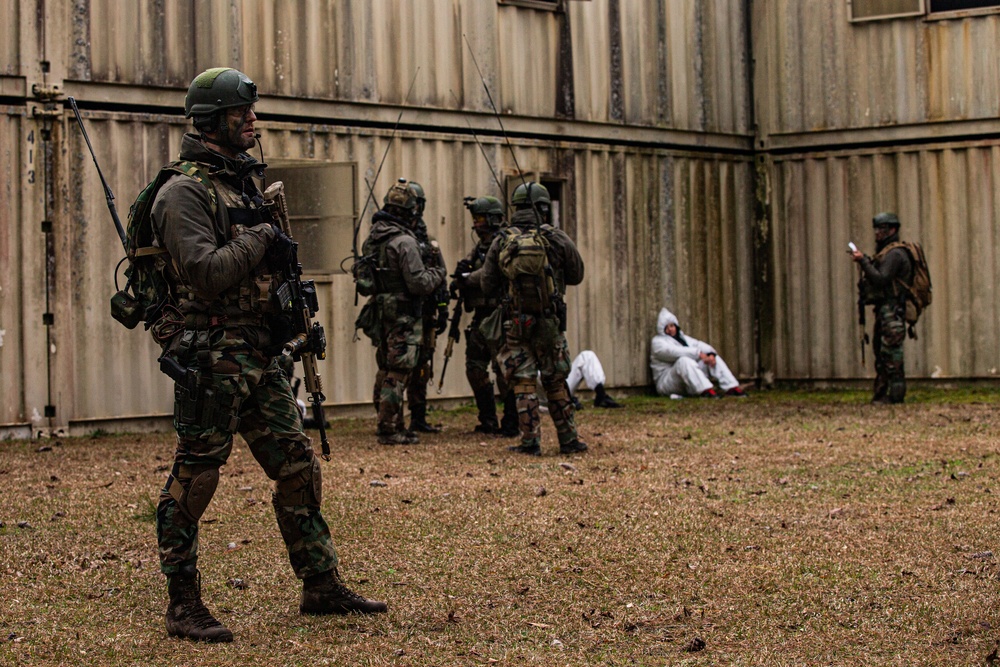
[{"x": 788, "y": 529}]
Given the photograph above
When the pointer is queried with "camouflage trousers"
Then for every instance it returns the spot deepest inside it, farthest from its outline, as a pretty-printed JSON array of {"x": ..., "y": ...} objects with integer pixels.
[
  {"x": 397, "y": 356},
  {"x": 247, "y": 393},
  {"x": 534, "y": 346},
  {"x": 423, "y": 372},
  {"x": 887, "y": 344}
]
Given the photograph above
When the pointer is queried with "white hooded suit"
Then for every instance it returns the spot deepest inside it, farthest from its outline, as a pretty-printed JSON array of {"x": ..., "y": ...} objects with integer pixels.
[{"x": 678, "y": 369}]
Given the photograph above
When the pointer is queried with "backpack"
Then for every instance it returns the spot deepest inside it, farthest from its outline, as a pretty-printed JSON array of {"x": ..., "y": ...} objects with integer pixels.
[
  {"x": 146, "y": 290},
  {"x": 918, "y": 293},
  {"x": 524, "y": 261}
]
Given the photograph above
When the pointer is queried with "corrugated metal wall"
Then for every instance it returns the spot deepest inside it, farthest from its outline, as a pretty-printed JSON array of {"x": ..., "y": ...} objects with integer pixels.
[
  {"x": 656, "y": 224},
  {"x": 878, "y": 116},
  {"x": 816, "y": 70},
  {"x": 946, "y": 197}
]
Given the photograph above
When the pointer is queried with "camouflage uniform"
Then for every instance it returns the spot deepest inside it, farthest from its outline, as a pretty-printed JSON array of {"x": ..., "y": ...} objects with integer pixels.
[
  {"x": 880, "y": 276},
  {"x": 402, "y": 281},
  {"x": 219, "y": 329},
  {"x": 536, "y": 343},
  {"x": 434, "y": 309}
]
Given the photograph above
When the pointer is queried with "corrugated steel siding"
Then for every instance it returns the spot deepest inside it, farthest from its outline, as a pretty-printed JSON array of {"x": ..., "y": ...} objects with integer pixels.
[
  {"x": 816, "y": 70},
  {"x": 642, "y": 205},
  {"x": 946, "y": 198},
  {"x": 11, "y": 278},
  {"x": 678, "y": 64}
]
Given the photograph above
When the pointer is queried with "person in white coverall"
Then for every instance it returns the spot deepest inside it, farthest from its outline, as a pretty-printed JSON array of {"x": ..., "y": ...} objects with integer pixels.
[
  {"x": 686, "y": 366},
  {"x": 587, "y": 367}
]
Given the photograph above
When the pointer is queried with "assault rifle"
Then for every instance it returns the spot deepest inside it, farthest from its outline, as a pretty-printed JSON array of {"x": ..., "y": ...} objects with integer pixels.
[
  {"x": 298, "y": 299},
  {"x": 454, "y": 330}
]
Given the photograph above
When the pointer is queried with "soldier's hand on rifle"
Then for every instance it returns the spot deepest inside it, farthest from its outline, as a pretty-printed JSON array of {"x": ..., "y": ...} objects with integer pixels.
[
  {"x": 281, "y": 249},
  {"x": 442, "y": 319}
]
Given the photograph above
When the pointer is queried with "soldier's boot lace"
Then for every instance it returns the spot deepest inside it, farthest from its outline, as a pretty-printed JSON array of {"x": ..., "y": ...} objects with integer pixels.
[
  {"x": 326, "y": 593},
  {"x": 187, "y": 615}
]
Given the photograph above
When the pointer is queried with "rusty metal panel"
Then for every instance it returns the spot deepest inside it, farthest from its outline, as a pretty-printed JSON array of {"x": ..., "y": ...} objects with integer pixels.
[
  {"x": 816, "y": 70},
  {"x": 946, "y": 199}
]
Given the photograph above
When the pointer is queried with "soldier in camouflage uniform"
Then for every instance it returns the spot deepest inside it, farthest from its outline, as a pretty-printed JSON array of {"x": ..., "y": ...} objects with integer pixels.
[
  {"x": 535, "y": 343},
  {"x": 217, "y": 248},
  {"x": 881, "y": 278},
  {"x": 402, "y": 282},
  {"x": 435, "y": 320},
  {"x": 487, "y": 219}
]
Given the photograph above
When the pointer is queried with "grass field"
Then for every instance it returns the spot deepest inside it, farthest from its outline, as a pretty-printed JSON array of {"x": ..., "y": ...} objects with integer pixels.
[{"x": 787, "y": 529}]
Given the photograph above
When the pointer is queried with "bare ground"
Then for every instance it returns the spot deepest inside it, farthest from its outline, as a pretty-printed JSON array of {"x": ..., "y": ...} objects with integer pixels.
[{"x": 787, "y": 529}]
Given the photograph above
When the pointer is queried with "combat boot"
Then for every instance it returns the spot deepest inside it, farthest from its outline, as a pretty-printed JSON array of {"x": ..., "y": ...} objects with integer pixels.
[
  {"x": 573, "y": 447},
  {"x": 486, "y": 405},
  {"x": 326, "y": 593},
  {"x": 602, "y": 400},
  {"x": 531, "y": 448},
  {"x": 186, "y": 615},
  {"x": 398, "y": 438},
  {"x": 509, "y": 421},
  {"x": 418, "y": 420}
]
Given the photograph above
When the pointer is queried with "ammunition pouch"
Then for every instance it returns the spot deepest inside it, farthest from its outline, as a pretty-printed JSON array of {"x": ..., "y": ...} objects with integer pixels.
[
  {"x": 206, "y": 408},
  {"x": 196, "y": 401}
]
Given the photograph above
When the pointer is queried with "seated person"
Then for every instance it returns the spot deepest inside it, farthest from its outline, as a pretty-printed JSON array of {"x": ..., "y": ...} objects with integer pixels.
[
  {"x": 686, "y": 366},
  {"x": 587, "y": 367}
]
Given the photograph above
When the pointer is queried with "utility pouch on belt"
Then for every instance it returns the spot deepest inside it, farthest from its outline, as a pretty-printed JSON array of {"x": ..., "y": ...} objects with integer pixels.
[{"x": 492, "y": 327}]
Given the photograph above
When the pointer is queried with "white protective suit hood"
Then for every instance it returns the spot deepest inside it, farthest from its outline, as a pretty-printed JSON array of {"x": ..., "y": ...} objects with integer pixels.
[{"x": 665, "y": 318}]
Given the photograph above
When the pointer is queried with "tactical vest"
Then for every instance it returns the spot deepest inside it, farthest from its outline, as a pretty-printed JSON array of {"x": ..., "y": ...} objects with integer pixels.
[
  {"x": 387, "y": 280},
  {"x": 894, "y": 291},
  {"x": 244, "y": 303}
]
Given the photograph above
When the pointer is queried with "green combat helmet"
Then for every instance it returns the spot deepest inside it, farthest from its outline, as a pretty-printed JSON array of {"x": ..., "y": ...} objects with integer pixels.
[
  {"x": 401, "y": 198},
  {"x": 488, "y": 207},
  {"x": 530, "y": 194},
  {"x": 885, "y": 220},
  {"x": 215, "y": 90},
  {"x": 417, "y": 191}
]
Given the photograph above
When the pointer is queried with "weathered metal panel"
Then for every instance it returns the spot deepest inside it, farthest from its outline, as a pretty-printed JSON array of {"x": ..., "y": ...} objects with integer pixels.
[
  {"x": 617, "y": 201},
  {"x": 816, "y": 70},
  {"x": 11, "y": 265},
  {"x": 946, "y": 199},
  {"x": 10, "y": 42}
]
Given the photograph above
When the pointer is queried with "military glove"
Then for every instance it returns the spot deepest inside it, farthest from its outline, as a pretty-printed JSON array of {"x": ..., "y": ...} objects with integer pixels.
[
  {"x": 442, "y": 319},
  {"x": 282, "y": 248},
  {"x": 463, "y": 266}
]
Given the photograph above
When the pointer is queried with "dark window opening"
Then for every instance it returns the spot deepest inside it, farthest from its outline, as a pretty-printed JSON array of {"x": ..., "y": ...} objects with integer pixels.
[{"x": 959, "y": 5}]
